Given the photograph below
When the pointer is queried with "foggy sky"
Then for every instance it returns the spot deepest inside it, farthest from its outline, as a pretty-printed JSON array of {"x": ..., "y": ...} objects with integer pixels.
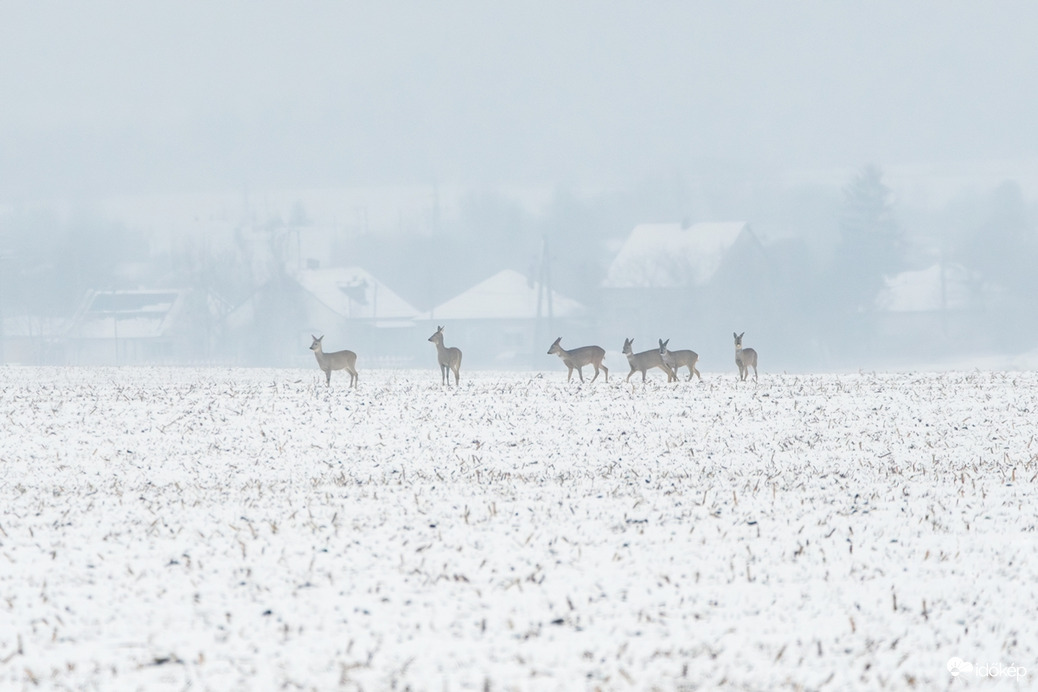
[{"x": 128, "y": 97}]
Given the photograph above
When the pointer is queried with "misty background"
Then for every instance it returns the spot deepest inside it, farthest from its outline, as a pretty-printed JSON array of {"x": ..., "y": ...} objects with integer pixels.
[{"x": 200, "y": 166}]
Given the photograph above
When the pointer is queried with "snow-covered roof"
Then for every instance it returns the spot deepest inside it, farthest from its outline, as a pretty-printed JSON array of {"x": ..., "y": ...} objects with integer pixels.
[
  {"x": 136, "y": 314},
  {"x": 505, "y": 295},
  {"x": 952, "y": 287},
  {"x": 666, "y": 255},
  {"x": 355, "y": 293}
]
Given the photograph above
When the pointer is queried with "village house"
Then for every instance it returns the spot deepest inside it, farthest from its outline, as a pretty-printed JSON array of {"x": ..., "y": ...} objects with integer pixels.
[
  {"x": 936, "y": 310},
  {"x": 349, "y": 306},
  {"x": 130, "y": 327},
  {"x": 692, "y": 284},
  {"x": 508, "y": 320}
]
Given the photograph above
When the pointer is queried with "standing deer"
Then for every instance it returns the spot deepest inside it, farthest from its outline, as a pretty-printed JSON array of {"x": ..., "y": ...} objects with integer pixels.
[
  {"x": 745, "y": 358},
  {"x": 646, "y": 360},
  {"x": 678, "y": 359},
  {"x": 339, "y": 360},
  {"x": 579, "y": 357},
  {"x": 450, "y": 358}
]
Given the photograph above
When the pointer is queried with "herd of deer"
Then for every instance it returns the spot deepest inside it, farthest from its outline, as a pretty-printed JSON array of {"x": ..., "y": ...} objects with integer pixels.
[{"x": 575, "y": 359}]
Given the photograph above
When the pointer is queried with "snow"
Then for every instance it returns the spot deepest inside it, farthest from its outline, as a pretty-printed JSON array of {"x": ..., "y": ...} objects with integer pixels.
[{"x": 254, "y": 529}]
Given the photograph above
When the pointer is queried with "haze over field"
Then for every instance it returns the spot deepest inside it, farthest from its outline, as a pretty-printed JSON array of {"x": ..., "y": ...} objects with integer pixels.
[{"x": 138, "y": 142}]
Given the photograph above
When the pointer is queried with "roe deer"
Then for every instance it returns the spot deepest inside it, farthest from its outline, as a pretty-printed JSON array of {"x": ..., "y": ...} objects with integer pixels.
[
  {"x": 745, "y": 358},
  {"x": 646, "y": 360},
  {"x": 450, "y": 358},
  {"x": 678, "y": 359},
  {"x": 339, "y": 360},
  {"x": 579, "y": 357}
]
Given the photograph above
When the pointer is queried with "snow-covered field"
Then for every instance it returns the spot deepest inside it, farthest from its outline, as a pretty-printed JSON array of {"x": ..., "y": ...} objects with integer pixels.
[{"x": 165, "y": 529}]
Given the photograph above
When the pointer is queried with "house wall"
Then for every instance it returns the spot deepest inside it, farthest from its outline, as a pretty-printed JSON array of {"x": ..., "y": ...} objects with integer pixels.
[
  {"x": 117, "y": 352},
  {"x": 30, "y": 350},
  {"x": 932, "y": 334}
]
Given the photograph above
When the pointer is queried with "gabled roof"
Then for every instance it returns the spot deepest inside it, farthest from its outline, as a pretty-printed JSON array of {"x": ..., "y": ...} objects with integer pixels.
[
  {"x": 507, "y": 295},
  {"x": 136, "y": 314},
  {"x": 355, "y": 294},
  {"x": 665, "y": 255},
  {"x": 924, "y": 290}
]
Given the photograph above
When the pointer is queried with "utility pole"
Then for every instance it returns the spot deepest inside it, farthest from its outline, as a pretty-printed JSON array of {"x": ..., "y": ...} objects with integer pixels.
[{"x": 544, "y": 326}]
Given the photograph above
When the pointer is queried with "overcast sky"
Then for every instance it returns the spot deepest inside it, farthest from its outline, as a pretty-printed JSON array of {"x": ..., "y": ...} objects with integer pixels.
[{"x": 115, "y": 98}]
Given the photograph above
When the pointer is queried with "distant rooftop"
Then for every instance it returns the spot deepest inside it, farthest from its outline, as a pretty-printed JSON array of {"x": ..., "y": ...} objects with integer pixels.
[
  {"x": 136, "y": 314},
  {"x": 505, "y": 295},
  {"x": 355, "y": 293},
  {"x": 951, "y": 287},
  {"x": 132, "y": 301},
  {"x": 668, "y": 255}
]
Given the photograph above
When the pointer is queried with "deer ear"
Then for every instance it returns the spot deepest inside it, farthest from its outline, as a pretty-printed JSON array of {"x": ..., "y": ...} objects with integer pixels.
[{"x": 734, "y": 335}]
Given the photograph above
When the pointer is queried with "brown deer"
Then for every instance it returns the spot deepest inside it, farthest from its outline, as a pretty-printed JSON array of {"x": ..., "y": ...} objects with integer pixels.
[
  {"x": 646, "y": 360},
  {"x": 579, "y": 357},
  {"x": 745, "y": 358},
  {"x": 339, "y": 360},
  {"x": 449, "y": 358},
  {"x": 679, "y": 359}
]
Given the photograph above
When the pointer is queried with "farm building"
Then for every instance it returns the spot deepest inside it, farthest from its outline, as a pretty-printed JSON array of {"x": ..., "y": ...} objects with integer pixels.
[
  {"x": 130, "y": 327},
  {"x": 355, "y": 310},
  {"x": 347, "y": 305}
]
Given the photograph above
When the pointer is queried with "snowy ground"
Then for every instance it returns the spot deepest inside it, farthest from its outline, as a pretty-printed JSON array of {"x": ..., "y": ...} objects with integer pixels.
[{"x": 251, "y": 529}]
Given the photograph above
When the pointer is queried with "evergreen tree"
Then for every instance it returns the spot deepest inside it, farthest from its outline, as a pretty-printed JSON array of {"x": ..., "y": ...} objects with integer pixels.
[
  {"x": 1003, "y": 246},
  {"x": 871, "y": 244}
]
